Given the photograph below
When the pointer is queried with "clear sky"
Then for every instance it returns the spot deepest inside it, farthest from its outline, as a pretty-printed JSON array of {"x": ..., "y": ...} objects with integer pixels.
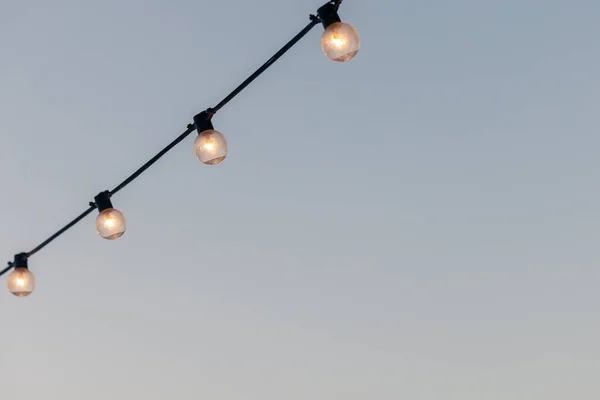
[{"x": 420, "y": 223}]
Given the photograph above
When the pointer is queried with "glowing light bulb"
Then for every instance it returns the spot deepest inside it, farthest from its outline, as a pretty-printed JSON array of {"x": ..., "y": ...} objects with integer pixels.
[
  {"x": 210, "y": 147},
  {"x": 340, "y": 42},
  {"x": 21, "y": 282},
  {"x": 111, "y": 224}
]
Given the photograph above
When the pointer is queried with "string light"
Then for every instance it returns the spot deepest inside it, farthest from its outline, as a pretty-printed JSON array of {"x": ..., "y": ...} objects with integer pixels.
[
  {"x": 210, "y": 146},
  {"x": 21, "y": 281},
  {"x": 110, "y": 222},
  {"x": 340, "y": 42}
]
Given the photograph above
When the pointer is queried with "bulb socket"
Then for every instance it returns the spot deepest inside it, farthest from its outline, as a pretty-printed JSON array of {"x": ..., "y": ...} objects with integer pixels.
[
  {"x": 328, "y": 15},
  {"x": 202, "y": 122},
  {"x": 103, "y": 201},
  {"x": 21, "y": 261}
]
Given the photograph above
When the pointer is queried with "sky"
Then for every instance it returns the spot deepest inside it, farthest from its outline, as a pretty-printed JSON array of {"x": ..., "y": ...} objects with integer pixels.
[{"x": 420, "y": 223}]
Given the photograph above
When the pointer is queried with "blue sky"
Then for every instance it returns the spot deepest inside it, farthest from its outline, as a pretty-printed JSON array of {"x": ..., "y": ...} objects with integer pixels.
[{"x": 419, "y": 223}]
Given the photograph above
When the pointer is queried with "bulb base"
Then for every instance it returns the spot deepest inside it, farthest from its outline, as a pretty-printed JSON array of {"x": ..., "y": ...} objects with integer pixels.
[
  {"x": 103, "y": 201},
  {"x": 202, "y": 122},
  {"x": 328, "y": 15},
  {"x": 21, "y": 261}
]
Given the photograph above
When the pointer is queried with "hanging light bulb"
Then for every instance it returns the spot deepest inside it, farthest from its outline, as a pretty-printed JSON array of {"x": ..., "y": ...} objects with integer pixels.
[
  {"x": 110, "y": 223},
  {"x": 210, "y": 145},
  {"x": 21, "y": 281},
  {"x": 340, "y": 41}
]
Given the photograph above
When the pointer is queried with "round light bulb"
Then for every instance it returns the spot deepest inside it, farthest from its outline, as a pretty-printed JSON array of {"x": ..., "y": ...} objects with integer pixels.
[
  {"x": 110, "y": 224},
  {"x": 21, "y": 282},
  {"x": 210, "y": 147},
  {"x": 340, "y": 42}
]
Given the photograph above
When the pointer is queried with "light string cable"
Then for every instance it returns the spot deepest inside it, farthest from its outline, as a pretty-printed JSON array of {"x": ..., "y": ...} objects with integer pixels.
[{"x": 326, "y": 12}]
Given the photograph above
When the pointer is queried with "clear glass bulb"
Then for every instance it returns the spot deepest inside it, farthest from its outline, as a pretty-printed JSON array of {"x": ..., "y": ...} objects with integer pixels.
[
  {"x": 340, "y": 42},
  {"x": 110, "y": 224},
  {"x": 21, "y": 282},
  {"x": 210, "y": 147}
]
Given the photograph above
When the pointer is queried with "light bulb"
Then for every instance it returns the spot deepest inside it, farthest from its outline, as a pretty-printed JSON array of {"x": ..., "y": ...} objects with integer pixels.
[
  {"x": 110, "y": 224},
  {"x": 210, "y": 147},
  {"x": 21, "y": 282},
  {"x": 340, "y": 42}
]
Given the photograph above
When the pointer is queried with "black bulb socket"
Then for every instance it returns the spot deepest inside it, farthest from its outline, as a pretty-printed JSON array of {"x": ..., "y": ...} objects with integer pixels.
[
  {"x": 21, "y": 261},
  {"x": 202, "y": 122},
  {"x": 328, "y": 15},
  {"x": 103, "y": 201}
]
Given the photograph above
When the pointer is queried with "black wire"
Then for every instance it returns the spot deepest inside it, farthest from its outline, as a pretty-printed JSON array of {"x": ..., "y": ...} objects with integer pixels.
[
  {"x": 62, "y": 230},
  {"x": 5, "y": 270},
  {"x": 314, "y": 21},
  {"x": 191, "y": 128}
]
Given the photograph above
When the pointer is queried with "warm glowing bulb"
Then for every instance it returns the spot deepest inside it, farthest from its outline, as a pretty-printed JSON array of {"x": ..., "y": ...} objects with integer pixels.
[
  {"x": 210, "y": 147},
  {"x": 110, "y": 224},
  {"x": 340, "y": 42},
  {"x": 21, "y": 282}
]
